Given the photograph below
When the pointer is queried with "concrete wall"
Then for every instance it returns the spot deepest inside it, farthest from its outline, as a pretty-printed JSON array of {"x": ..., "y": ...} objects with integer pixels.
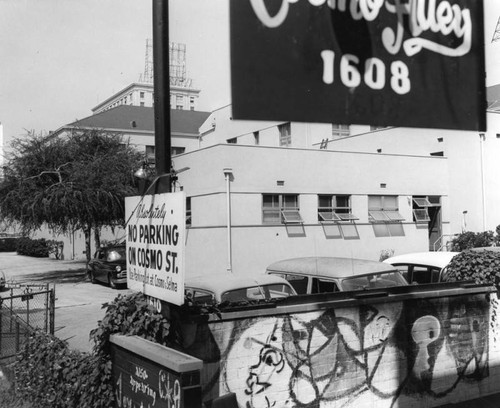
[
  {"x": 220, "y": 127},
  {"x": 74, "y": 243},
  {"x": 427, "y": 349}
]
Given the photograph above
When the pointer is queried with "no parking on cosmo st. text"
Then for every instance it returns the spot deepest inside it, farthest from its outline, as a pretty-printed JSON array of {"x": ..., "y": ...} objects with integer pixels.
[{"x": 155, "y": 245}]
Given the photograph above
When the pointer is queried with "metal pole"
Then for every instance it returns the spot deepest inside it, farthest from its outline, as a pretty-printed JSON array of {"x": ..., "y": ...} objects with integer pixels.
[
  {"x": 161, "y": 75},
  {"x": 228, "y": 173},
  {"x": 482, "y": 138}
]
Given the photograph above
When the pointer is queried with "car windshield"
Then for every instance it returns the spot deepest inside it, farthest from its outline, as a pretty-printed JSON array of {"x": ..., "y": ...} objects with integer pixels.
[
  {"x": 116, "y": 254},
  {"x": 379, "y": 280},
  {"x": 272, "y": 291}
]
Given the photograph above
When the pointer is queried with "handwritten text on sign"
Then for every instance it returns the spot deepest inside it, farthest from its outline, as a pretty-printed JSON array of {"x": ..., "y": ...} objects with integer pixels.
[
  {"x": 155, "y": 245},
  {"x": 359, "y": 61}
]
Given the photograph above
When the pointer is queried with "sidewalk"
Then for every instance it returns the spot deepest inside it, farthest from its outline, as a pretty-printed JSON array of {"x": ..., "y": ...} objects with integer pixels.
[{"x": 23, "y": 268}]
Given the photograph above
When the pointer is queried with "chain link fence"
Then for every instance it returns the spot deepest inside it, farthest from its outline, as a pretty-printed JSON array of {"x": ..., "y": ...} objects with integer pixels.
[{"x": 26, "y": 308}]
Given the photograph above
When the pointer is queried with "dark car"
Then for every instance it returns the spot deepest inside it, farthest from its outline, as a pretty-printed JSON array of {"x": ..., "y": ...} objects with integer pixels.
[
  {"x": 109, "y": 266},
  {"x": 2, "y": 280}
]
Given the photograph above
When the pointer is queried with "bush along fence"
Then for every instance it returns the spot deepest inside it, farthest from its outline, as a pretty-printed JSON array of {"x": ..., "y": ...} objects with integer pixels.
[
  {"x": 21, "y": 313},
  {"x": 33, "y": 247}
]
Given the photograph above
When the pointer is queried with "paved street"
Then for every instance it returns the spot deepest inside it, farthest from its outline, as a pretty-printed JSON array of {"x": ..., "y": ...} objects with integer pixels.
[{"x": 78, "y": 302}]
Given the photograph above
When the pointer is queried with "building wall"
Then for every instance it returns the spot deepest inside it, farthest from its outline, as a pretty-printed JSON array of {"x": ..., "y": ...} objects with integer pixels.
[
  {"x": 307, "y": 173},
  {"x": 220, "y": 127},
  {"x": 142, "y": 94},
  {"x": 474, "y": 185},
  {"x": 472, "y": 161},
  {"x": 401, "y": 351}
]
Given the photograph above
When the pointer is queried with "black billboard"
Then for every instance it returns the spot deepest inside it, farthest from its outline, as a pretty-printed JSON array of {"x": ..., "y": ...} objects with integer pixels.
[{"x": 414, "y": 63}]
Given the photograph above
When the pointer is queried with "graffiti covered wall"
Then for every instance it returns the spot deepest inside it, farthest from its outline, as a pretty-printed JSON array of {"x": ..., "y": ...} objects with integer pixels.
[{"x": 416, "y": 352}]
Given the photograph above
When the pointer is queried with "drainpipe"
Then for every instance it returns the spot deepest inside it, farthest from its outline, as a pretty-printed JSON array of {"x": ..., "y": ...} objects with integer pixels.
[
  {"x": 228, "y": 173},
  {"x": 482, "y": 138}
]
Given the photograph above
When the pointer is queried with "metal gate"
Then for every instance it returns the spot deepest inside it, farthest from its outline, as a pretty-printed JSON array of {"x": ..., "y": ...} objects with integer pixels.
[{"x": 28, "y": 307}]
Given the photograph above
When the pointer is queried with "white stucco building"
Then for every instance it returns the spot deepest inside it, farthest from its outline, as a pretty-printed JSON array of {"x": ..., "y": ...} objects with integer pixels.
[
  {"x": 282, "y": 200},
  {"x": 260, "y": 191}
]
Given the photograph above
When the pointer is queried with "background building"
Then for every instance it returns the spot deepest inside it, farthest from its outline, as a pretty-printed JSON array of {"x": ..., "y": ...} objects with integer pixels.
[
  {"x": 182, "y": 95},
  {"x": 136, "y": 124}
]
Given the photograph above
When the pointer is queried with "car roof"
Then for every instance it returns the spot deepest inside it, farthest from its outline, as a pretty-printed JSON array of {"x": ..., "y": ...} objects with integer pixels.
[
  {"x": 438, "y": 259},
  {"x": 223, "y": 282},
  {"x": 333, "y": 267}
]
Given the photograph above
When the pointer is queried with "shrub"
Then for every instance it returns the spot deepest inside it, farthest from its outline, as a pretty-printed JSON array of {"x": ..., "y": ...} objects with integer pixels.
[
  {"x": 8, "y": 244},
  {"x": 55, "y": 248},
  {"x": 478, "y": 266},
  {"x": 49, "y": 374},
  {"x": 469, "y": 239},
  {"x": 33, "y": 247}
]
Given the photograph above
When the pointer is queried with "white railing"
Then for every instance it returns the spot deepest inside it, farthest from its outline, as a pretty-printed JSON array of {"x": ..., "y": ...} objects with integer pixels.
[{"x": 441, "y": 244}]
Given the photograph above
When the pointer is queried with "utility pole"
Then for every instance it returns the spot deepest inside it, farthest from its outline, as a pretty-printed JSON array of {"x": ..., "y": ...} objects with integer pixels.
[{"x": 161, "y": 72}]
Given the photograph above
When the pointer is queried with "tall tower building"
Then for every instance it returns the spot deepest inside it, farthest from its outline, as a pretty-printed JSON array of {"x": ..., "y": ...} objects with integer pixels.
[{"x": 182, "y": 95}]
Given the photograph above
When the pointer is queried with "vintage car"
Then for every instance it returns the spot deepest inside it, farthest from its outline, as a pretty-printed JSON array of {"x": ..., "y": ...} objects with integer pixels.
[
  {"x": 109, "y": 265},
  {"x": 422, "y": 267},
  {"x": 231, "y": 287},
  {"x": 333, "y": 274},
  {"x": 2, "y": 280}
]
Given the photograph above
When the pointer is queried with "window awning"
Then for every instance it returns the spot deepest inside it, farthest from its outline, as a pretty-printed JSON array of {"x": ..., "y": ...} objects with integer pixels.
[
  {"x": 421, "y": 215},
  {"x": 328, "y": 216},
  {"x": 394, "y": 215},
  {"x": 422, "y": 202},
  {"x": 385, "y": 216},
  {"x": 347, "y": 217},
  {"x": 292, "y": 217},
  {"x": 378, "y": 216}
]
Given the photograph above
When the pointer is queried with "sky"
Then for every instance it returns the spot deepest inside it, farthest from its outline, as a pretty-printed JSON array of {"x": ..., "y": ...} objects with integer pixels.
[{"x": 60, "y": 58}]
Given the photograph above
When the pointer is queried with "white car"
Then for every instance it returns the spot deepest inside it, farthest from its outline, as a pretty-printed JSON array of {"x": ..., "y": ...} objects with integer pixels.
[
  {"x": 231, "y": 287},
  {"x": 422, "y": 267},
  {"x": 311, "y": 275}
]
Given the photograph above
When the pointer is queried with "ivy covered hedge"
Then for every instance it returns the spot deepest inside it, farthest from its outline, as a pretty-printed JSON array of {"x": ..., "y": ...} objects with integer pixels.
[
  {"x": 469, "y": 239},
  {"x": 50, "y": 375},
  {"x": 8, "y": 244},
  {"x": 33, "y": 247},
  {"x": 472, "y": 265}
]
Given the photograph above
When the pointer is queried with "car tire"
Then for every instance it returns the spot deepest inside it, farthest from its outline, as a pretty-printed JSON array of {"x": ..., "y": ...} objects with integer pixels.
[{"x": 112, "y": 283}]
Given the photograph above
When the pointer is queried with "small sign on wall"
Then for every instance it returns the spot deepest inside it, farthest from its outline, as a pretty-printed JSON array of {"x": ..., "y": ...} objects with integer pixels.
[
  {"x": 416, "y": 63},
  {"x": 155, "y": 245},
  {"x": 148, "y": 375}
]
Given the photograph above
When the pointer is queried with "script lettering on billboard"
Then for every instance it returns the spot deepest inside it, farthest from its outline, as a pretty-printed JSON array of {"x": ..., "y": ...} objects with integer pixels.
[
  {"x": 155, "y": 245},
  {"x": 359, "y": 61}
]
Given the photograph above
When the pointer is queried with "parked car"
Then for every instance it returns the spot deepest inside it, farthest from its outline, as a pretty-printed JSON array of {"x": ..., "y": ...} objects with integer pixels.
[
  {"x": 109, "y": 265},
  {"x": 422, "y": 267},
  {"x": 2, "y": 280},
  {"x": 330, "y": 274},
  {"x": 229, "y": 287}
]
